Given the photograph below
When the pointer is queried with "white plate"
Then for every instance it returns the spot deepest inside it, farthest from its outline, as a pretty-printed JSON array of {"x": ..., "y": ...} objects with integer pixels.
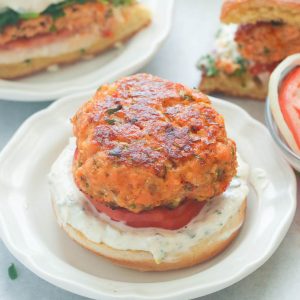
[
  {"x": 86, "y": 75},
  {"x": 29, "y": 229}
]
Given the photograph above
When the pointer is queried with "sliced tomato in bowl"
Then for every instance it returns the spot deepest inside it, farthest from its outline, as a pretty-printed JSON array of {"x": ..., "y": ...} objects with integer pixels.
[
  {"x": 289, "y": 102},
  {"x": 159, "y": 217}
]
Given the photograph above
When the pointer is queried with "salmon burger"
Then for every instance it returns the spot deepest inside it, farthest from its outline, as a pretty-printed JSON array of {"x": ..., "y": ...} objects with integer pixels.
[
  {"x": 37, "y": 35},
  {"x": 150, "y": 178}
]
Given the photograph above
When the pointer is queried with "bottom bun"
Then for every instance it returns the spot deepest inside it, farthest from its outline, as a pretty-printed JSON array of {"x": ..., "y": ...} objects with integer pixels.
[
  {"x": 245, "y": 85},
  {"x": 205, "y": 249}
]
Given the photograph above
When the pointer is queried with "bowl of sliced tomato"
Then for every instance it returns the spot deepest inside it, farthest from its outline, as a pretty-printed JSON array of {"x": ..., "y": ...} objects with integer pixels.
[{"x": 283, "y": 108}]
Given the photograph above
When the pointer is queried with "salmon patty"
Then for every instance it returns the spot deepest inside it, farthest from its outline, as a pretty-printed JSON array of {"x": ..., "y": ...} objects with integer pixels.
[
  {"x": 144, "y": 142},
  {"x": 267, "y": 42}
]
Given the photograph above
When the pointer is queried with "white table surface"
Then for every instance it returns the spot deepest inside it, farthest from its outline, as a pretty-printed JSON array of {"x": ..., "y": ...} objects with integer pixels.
[{"x": 279, "y": 278}]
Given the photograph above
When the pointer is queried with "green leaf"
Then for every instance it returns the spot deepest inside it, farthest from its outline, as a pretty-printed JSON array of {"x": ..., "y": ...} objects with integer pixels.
[
  {"x": 29, "y": 16},
  {"x": 243, "y": 64},
  {"x": 111, "y": 111},
  {"x": 8, "y": 17},
  {"x": 110, "y": 121},
  {"x": 209, "y": 64},
  {"x": 12, "y": 272}
]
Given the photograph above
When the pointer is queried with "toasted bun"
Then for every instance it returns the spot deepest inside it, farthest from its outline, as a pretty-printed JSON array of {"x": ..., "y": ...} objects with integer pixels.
[
  {"x": 138, "y": 17},
  {"x": 252, "y": 11},
  {"x": 245, "y": 86},
  {"x": 143, "y": 261}
]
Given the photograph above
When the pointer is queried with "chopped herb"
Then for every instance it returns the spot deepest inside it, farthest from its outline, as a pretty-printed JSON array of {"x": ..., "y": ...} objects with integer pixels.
[
  {"x": 82, "y": 51},
  {"x": 27, "y": 61},
  {"x": 12, "y": 272},
  {"x": 111, "y": 111},
  {"x": 29, "y": 15},
  {"x": 132, "y": 205},
  {"x": 185, "y": 96},
  {"x": 218, "y": 212},
  {"x": 8, "y": 17},
  {"x": 208, "y": 63},
  {"x": 242, "y": 66},
  {"x": 194, "y": 129},
  {"x": 108, "y": 14},
  {"x": 188, "y": 186},
  {"x": 266, "y": 51},
  {"x": 110, "y": 121},
  {"x": 53, "y": 28}
]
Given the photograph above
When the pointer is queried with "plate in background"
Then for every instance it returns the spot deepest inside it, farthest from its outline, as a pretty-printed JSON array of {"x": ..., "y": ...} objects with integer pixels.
[
  {"x": 105, "y": 67},
  {"x": 29, "y": 229}
]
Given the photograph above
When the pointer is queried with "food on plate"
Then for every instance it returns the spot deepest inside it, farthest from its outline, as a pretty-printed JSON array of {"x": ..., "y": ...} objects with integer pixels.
[
  {"x": 150, "y": 179},
  {"x": 254, "y": 38},
  {"x": 286, "y": 109},
  {"x": 36, "y": 35}
]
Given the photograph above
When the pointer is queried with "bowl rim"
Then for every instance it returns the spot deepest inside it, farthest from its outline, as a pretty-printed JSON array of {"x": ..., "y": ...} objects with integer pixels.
[{"x": 271, "y": 126}]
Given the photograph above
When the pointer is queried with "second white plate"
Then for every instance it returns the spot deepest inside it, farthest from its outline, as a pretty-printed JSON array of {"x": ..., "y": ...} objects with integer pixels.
[
  {"x": 29, "y": 229},
  {"x": 106, "y": 67}
]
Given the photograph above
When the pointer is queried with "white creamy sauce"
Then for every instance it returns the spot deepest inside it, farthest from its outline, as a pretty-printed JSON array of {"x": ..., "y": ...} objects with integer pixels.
[
  {"x": 23, "y": 6},
  {"x": 225, "y": 46},
  {"x": 69, "y": 44},
  {"x": 74, "y": 209}
]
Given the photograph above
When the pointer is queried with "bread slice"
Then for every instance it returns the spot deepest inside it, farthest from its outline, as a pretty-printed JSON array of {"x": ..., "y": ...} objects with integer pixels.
[
  {"x": 206, "y": 248},
  {"x": 137, "y": 17},
  {"x": 245, "y": 85},
  {"x": 252, "y": 11}
]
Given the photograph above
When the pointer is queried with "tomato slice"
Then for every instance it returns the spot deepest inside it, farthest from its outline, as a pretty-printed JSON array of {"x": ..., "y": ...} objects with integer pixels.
[
  {"x": 160, "y": 217},
  {"x": 259, "y": 68},
  {"x": 289, "y": 102}
]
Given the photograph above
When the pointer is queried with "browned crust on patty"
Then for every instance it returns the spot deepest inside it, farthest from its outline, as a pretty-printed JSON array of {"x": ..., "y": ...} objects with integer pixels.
[
  {"x": 145, "y": 142},
  {"x": 143, "y": 261},
  {"x": 138, "y": 18},
  {"x": 252, "y": 11},
  {"x": 244, "y": 86}
]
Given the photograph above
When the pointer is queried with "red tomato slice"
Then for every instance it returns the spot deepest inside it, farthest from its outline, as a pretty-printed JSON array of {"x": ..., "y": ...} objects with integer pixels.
[
  {"x": 160, "y": 217},
  {"x": 289, "y": 101},
  {"x": 259, "y": 68}
]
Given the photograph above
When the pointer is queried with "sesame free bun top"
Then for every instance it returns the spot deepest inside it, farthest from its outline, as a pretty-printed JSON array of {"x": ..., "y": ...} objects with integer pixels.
[
  {"x": 144, "y": 142},
  {"x": 253, "y": 11}
]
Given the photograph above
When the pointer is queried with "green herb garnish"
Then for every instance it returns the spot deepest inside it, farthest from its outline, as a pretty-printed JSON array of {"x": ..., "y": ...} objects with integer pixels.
[
  {"x": 111, "y": 111},
  {"x": 8, "y": 17},
  {"x": 29, "y": 16},
  {"x": 243, "y": 63},
  {"x": 266, "y": 51},
  {"x": 53, "y": 28},
  {"x": 11, "y": 17},
  {"x": 12, "y": 272},
  {"x": 110, "y": 121},
  {"x": 208, "y": 63}
]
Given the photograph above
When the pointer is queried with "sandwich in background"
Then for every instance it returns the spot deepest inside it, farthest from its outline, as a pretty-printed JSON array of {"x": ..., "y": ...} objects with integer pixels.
[
  {"x": 255, "y": 37},
  {"x": 36, "y": 35}
]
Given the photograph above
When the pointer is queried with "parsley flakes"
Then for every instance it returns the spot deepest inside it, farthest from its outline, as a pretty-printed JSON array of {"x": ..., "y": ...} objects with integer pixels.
[{"x": 12, "y": 272}]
